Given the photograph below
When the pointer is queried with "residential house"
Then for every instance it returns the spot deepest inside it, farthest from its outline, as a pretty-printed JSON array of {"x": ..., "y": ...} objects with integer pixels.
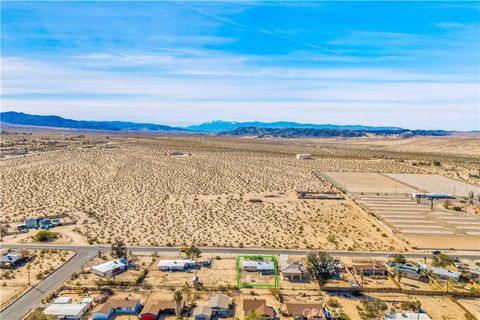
[
  {"x": 67, "y": 311},
  {"x": 259, "y": 307},
  {"x": 369, "y": 269},
  {"x": 202, "y": 313},
  {"x": 407, "y": 316},
  {"x": 154, "y": 308},
  {"x": 294, "y": 270},
  {"x": 111, "y": 268},
  {"x": 445, "y": 274},
  {"x": 407, "y": 270},
  {"x": 63, "y": 308},
  {"x": 306, "y": 310},
  {"x": 261, "y": 266},
  {"x": 116, "y": 306},
  {"x": 176, "y": 265},
  {"x": 10, "y": 260},
  {"x": 220, "y": 305}
]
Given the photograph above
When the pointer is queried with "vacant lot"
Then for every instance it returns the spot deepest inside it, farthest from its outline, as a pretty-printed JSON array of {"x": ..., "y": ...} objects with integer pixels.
[{"x": 226, "y": 192}]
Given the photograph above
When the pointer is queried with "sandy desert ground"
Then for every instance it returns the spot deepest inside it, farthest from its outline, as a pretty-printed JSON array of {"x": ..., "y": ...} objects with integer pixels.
[{"x": 225, "y": 192}]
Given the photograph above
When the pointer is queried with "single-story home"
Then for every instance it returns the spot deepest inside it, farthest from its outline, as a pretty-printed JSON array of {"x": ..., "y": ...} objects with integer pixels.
[
  {"x": 62, "y": 307},
  {"x": 202, "y": 313},
  {"x": 306, "y": 310},
  {"x": 407, "y": 270},
  {"x": 258, "y": 266},
  {"x": 116, "y": 306},
  {"x": 110, "y": 268},
  {"x": 445, "y": 274},
  {"x": 176, "y": 265},
  {"x": 11, "y": 260},
  {"x": 370, "y": 269},
  {"x": 220, "y": 305},
  {"x": 154, "y": 308},
  {"x": 407, "y": 316},
  {"x": 259, "y": 307},
  {"x": 292, "y": 270}
]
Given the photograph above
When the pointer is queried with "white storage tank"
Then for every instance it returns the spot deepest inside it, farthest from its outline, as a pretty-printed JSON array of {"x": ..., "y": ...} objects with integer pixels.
[{"x": 304, "y": 156}]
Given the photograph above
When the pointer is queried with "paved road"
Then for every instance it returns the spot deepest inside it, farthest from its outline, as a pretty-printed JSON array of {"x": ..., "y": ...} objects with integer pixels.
[
  {"x": 84, "y": 253},
  {"x": 338, "y": 253},
  {"x": 32, "y": 298}
]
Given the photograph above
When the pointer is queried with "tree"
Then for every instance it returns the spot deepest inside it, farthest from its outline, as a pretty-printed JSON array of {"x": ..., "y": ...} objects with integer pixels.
[
  {"x": 45, "y": 235},
  {"x": 252, "y": 315},
  {"x": 399, "y": 276},
  {"x": 193, "y": 252},
  {"x": 119, "y": 249},
  {"x": 442, "y": 260},
  {"x": 399, "y": 258},
  {"x": 372, "y": 309},
  {"x": 322, "y": 267},
  {"x": 178, "y": 297}
]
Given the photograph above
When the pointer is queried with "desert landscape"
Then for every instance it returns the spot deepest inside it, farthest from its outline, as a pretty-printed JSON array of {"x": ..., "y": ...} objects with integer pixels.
[{"x": 216, "y": 191}]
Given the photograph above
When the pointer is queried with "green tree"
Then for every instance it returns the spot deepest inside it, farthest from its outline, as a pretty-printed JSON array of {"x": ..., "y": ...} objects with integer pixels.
[
  {"x": 442, "y": 260},
  {"x": 399, "y": 258},
  {"x": 252, "y": 315},
  {"x": 119, "y": 249},
  {"x": 321, "y": 267},
  {"x": 193, "y": 252},
  {"x": 178, "y": 297},
  {"x": 45, "y": 235}
]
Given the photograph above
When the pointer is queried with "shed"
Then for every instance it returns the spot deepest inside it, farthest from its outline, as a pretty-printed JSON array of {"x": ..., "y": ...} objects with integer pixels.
[{"x": 62, "y": 300}]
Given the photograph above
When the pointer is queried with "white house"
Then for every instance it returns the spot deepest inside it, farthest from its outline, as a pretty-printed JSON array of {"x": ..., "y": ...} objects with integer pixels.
[
  {"x": 407, "y": 316},
  {"x": 445, "y": 274},
  {"x": 175, "y": 265},
  {"x": 68, "y": 311},
  {"x": 258, "y": 266},
  {"x": 110, "y": 268}
]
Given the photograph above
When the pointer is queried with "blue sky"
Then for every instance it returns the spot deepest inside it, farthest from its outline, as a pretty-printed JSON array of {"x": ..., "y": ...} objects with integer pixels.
[{"x": 410, "y": 64}]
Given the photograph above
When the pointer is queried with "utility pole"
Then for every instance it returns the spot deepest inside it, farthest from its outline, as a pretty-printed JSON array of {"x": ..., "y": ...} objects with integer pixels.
[{"x": 28, "y": 268}]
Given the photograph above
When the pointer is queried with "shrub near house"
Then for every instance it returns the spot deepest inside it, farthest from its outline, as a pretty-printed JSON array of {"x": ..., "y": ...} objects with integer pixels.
[{"x": 45, "y": 235}]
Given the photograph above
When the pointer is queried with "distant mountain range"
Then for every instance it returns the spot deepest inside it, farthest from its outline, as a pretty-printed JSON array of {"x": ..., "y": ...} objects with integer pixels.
[
  {"x": 20, "y": 118},
  {"x": 318, "y": 133},
  {"x": 222, "y": 126},
  {"x": 279, "y": 129}
]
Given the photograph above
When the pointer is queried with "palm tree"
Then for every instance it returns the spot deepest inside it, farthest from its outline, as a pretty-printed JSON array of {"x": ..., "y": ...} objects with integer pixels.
[{"x": 178, "y": 297}]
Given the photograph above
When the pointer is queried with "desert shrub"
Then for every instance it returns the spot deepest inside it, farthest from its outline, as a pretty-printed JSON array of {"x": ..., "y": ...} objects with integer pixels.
[
  {"x": 45, "y": 235},
  {"x": 333, "y": 303}
]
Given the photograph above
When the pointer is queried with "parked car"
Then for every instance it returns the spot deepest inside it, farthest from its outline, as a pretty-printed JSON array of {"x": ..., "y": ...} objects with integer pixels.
[
  {"x": 436, "y": 252},
  {"x": 22, "y": 228}
]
